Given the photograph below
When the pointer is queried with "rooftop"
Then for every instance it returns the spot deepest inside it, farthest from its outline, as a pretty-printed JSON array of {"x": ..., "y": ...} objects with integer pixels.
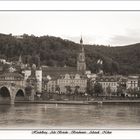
[
  {"x": 108, "y": 78},
  {"x": 11, "y": 75},
  {"x": 56, "y": 72}
]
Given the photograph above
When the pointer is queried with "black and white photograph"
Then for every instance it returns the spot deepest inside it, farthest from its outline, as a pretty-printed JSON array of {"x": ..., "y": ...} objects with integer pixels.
[{"x": 69, "y": 70}]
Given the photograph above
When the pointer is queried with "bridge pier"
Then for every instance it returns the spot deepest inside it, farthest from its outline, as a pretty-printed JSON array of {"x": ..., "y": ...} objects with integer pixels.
[
  {"x": 32, "y": 95},
  {"x": 12, "y": 101}
]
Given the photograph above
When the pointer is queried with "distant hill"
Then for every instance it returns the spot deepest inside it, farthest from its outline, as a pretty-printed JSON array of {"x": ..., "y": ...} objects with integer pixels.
[{"x": 54, "y": 51}]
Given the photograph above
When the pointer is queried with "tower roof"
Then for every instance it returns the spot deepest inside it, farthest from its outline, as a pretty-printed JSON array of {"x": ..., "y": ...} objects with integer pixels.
[{"x": 81, "y": 40}]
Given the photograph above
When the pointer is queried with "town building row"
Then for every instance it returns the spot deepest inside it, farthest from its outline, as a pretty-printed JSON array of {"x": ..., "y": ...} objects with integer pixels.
[{"x": 68, "y": 79}]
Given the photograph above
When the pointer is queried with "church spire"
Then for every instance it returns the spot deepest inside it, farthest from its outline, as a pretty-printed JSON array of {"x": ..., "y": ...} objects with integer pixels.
[
  {"x": 81, "y": 41},
  {"x": 81, "y": 64}
]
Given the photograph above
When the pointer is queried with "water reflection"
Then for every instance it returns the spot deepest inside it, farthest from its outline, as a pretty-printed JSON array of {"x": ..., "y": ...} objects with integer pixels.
[{"x": 69, "y": 116}]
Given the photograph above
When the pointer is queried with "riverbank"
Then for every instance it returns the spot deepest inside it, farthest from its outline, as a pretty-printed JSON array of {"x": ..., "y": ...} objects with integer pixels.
[{"x": 81, "y": 102}]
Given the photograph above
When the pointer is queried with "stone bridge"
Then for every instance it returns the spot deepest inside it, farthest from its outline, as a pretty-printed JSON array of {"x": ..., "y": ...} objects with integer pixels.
[
  {"x": 13, "y": 89},
  {"x": 13, "y": 85}
]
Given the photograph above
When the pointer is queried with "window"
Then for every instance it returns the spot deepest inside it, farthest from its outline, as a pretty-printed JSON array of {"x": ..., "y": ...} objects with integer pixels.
[
  {"x": 134, "y": 83},
  {"x": 131, "y": 83}
]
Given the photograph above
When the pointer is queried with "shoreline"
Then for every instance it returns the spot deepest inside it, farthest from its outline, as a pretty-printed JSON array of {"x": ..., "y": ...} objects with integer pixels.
[{"x": 82, "y": 102}]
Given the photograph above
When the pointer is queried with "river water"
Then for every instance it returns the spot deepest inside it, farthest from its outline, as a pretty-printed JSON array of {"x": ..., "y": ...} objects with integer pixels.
[{"x": 69, "y": 116}]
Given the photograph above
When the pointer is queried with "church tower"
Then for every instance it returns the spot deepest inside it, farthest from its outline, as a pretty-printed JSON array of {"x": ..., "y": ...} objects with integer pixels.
[
  {"x": 81, "y": 64},
  {"x": 20, "y": 59}
]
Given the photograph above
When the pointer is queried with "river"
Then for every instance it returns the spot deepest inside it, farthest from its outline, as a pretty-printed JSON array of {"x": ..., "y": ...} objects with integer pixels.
[{"x": 69, "y": 116}]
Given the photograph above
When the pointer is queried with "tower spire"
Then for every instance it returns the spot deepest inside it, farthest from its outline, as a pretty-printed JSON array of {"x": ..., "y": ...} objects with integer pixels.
[
  {"x": 81, "y": 64},
  {"x": 81, "y": 40}
]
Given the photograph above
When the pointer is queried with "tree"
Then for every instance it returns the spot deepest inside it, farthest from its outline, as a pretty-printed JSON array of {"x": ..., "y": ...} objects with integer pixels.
[
  {"x": 136, "y": 92},
  {"x": 108, "y": 90},
  {"x": 98, "y": 89},
  {"x": 76, "y": 89},
  {"x": 57, "y": 89},
  {"x": 76, "y": 92},
  {"x": 115, "y": 67},
  {"x": 68, "y": 89},
  {"x": 119, "y": 90},
  {"x": 133, "y": 92},
  {"x": 90, "y": 87},
  {"x": 56, "y": 51},
  {"x": 28, "y": 90}
]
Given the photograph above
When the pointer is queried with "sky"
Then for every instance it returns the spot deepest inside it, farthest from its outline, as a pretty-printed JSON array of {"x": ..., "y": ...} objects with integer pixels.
[{"x": 116, "y": 28}]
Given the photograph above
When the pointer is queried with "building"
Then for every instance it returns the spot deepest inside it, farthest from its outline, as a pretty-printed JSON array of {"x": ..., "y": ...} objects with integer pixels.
[
  {"x": 108, "y": 82},
  {"x": 63, "y": 77},
  {"x": 32, "y": 80},
  {"x": 51, "y": 86},
  {"x": 122, "y": 82},
  {"x": 12, "y": 78},
  {"x": 132, "y": 82},
  {"x": 73, "y": 81},
  {"x": 52, "y": 74},
  {"x": 38, "y": 75}
]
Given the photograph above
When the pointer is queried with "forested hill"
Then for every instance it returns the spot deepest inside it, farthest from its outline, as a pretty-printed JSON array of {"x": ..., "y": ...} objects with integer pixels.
[{"x": 54, "y": 51}]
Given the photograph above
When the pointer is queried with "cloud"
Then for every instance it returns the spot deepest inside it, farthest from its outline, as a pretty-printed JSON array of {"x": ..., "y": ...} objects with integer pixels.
[
  {"x": 103, "y": 28},
  {"x": 132, "y": 36}
]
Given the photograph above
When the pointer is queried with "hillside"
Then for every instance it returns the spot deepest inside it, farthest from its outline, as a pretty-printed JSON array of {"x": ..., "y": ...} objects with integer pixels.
[{"x": 54, "y": 51}]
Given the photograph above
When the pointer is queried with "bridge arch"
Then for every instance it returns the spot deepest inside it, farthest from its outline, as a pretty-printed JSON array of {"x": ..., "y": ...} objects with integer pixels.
[
  {"x": 4, "y": 91},
  {"x": 20, "y": 94},
  {"x": 9, "y": 93},
  {"x": 5, "y": 95}
]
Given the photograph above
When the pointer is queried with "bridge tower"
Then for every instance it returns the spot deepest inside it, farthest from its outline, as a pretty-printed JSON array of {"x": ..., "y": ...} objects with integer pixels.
[{"x": 32, "y": 82}]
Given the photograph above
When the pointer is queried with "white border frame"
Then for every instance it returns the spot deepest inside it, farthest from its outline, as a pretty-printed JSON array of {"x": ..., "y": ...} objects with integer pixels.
[
  {"x": 68, "y": 5},
  {"x": 62, "y": 5}
]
